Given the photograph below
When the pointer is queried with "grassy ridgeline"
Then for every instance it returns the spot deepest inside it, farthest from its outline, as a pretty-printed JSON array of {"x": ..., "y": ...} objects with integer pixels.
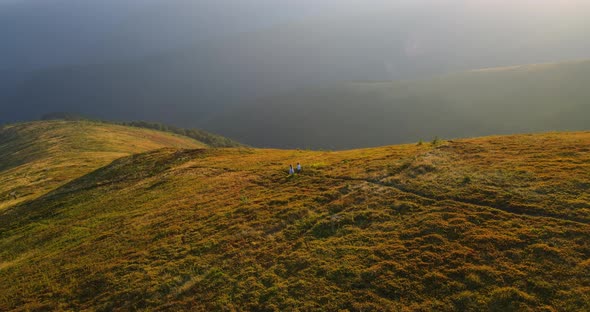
[
  {"x": 210, "y": 139},
  {"x": 37, "y": 157},
  {"x": 497, "y": 223}
]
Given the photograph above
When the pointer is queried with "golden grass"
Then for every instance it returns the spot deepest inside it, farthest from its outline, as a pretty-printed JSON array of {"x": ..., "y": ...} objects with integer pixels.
[
  {"x": 38, "y": 157},
  {"x": 497, "y": 223}
]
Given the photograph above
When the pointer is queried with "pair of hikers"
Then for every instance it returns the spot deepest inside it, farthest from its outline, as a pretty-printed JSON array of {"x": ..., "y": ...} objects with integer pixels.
[{"x": 292, "y": 171}]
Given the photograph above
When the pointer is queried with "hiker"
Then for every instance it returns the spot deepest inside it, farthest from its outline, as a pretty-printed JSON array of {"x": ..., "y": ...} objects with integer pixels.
[
  {"x": 298, "y": 168},
  {"x": 291, "y": 171}
]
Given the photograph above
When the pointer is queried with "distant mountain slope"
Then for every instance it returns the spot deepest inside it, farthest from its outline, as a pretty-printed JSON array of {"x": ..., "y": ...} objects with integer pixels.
[
  {"x": 38, "y": 157},
  {"x": 207, "y": 138},
  {"x": 488, "y": 224},
  {"x": 379, "y": 42},
  {"x": 516, "y": 99},
  {"x": 210, "y": 139}
]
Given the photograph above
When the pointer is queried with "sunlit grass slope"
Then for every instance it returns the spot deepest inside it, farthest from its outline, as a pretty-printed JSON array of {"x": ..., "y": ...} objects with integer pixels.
[
  {"x": 492, "y": 224},
  {"x": 37, "y": 157}
]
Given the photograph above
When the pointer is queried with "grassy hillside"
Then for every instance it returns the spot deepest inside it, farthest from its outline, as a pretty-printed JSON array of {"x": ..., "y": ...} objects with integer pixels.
[
  {"x": 496, "y": 223},
  {"x": 210, "y": 139},
  {"x": 38, "y": 157},
  {"x": 519, "y": 99}
]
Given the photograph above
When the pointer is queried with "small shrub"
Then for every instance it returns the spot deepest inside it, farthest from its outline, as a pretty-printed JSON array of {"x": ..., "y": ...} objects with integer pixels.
[
  {"x": 509, "y": 299},
  {"x": 319, "y": 165},
  {"x": 244, "y": 199},
  {"x": 435, "y": 141},
  {"x": 467, "y": 301}
]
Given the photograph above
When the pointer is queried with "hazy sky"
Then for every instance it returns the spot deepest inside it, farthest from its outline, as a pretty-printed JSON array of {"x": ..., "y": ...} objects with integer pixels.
[
  {"x": 36, "y": 33},
  {"x": 42, "y": 33},
  {"x": 213, "y": 52}
]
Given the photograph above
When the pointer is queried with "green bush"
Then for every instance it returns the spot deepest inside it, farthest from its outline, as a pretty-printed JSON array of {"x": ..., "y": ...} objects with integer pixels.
[{"x": 436, "y": 141}]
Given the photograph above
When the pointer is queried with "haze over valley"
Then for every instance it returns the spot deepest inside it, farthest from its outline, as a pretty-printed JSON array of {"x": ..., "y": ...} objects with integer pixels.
[
  {"x": 214, "y": 59},
  {"x": 295, "y": 155}
]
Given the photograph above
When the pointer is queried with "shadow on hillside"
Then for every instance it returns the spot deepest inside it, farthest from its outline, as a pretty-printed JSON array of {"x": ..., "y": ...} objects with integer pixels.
[
  {"x": 14, "y": 149},
  {"x": 130, "y": 168}
]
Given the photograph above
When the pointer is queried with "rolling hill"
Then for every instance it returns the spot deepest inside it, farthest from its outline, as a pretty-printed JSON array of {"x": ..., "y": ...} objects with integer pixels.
[
  {"x": 518, "y": 99},
  {"x": 38, "y": 157},
  {"x": 494, "y": 223}
]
